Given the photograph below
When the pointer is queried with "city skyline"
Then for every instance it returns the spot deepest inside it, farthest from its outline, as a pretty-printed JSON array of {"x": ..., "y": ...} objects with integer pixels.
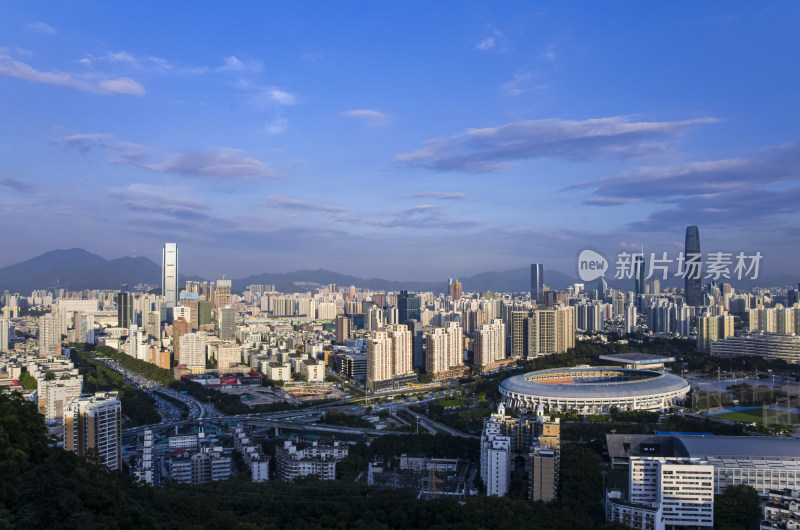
[{"x": 350, "y": 137}]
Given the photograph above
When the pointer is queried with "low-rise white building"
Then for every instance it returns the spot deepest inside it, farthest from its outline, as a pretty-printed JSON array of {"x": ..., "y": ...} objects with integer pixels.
[{"x": 317, "y": 459}]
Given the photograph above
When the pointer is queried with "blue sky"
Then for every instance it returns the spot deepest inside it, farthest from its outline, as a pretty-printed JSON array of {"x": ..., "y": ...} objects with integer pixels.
[{"x": 412, "y": 140}]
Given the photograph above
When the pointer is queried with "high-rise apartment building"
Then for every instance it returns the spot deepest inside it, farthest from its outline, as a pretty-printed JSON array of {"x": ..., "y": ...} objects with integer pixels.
[
  {"x": 94, "y": 422},
  {"x": 692, "y": 289},
  {"x": 228, "y": 354},
  {"x": 342, "y": 329},
  {"x": 169, "y": 274},
  {"x": 713, "y": 328},
  {"x": 401, "y": 349},
  {"x": 192, "y": 350},
  {"x": 490, "y": 343},
  {"x": 380, "y": 365},
  {"x": 49, "y": 335},
  {"x": 444, "y": 348},
  {"x": 537, "y": 282},
  {"x": 5, "y": 327}
]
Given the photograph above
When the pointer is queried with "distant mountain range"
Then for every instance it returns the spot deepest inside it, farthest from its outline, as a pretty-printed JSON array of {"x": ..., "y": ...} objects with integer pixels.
[{"x": 78, "y": 269}]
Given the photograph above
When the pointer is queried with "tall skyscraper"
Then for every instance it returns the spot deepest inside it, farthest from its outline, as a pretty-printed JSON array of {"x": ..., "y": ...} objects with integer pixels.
[
  {"x": 169, "y": 274},
  {"x": 407, "y": 307},
  {"x": 223, "y": 293},
  {"x": 692, "y": 290},
  {"x": 124, "y": 310},
  {"x": 227, "y": 323},
  {"x": 639, "y": 274},
  {"x": 537, "y": 282}
]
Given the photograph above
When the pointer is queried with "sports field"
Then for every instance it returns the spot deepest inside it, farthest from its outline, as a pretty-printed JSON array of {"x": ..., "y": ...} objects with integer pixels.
[{"x": 744, "y": 416}]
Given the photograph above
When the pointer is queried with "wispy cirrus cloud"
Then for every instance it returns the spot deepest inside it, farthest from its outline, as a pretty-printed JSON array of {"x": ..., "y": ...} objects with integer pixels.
[
  {"x": 497, "y": 148},
  {"x": 94, "y": 83},
  {"x": 436, "y": 195},
  {"x": 287, "y": 203},
  {"x": 422, "y": 216},
  {"x": 215, "y": 162},
  {"x": 18, "y": 185},
  {"x": 41, "y": 27},
  {"x": 161, "y": 200},
  {"x": 370, "y": 117}
]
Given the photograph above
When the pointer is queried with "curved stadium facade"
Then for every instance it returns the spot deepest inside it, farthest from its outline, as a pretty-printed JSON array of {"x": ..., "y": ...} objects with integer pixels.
[{"x": 594, "y": 390}]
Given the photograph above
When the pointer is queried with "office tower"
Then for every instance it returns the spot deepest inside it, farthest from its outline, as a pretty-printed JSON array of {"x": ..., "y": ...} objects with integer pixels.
[
  {"x": 537, "y": 282},
  {"x": 639, "y": 275},
  {"x": 223, "y": 294},
  {"x": 713, "y": 328},
  {"x": 124, "y": 310},
  {"x": 169, "y": 274},
  {"x": 93, "y": 422},
  {"x": 455, "y": 290},
  {"x": 192, "y": 350},
  {"x": 401, "y": 349},
  {"x": 692, "y": 288},
  {"x": 408, "y": 306},
  {"x": 602, "y": 288},
  {"x": 227, "y": 324},
  {"x": 417, "y": 353},
  {"x": 5, "y": 327},
  {"x": 630, "y": 318},
  {"x": 49, "y": 335},
  {"x": 519, "y": 333},
  {"x": 490, "y": 343},
  {"x": 379, "y": 359},
  {"x": 203, "y": 315},
  {"x": 342, "y": 329}
]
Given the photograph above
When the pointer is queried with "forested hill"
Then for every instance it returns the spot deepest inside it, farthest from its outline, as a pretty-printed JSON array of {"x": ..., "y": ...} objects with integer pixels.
[{"x": 45, "y": 487}]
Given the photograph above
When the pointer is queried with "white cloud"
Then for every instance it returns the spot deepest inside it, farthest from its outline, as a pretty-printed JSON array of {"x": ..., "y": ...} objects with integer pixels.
[
  {"x": 41, "y": 27},
  {"x": 372, "y": 118},
  {"x": 284, "y": 98},
  {"x": 278, "y": 125},
  {"x": 123, "y": 85},
  {"x": 486, "y": 44},
  {"x": 235, "y": 64},
  {"x": 12, "y": 68}
]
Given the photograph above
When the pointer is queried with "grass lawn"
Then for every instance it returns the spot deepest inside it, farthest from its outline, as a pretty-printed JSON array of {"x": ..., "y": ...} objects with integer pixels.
[{"x": 743, "y": 416}]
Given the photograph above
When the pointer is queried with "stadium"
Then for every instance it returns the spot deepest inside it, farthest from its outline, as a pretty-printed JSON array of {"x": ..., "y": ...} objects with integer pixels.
[{"x": 594, "y": 390}]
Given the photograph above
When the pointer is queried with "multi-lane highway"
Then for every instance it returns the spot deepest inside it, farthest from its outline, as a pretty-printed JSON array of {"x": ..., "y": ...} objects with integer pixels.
[{"x": 197, "y": 410}]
